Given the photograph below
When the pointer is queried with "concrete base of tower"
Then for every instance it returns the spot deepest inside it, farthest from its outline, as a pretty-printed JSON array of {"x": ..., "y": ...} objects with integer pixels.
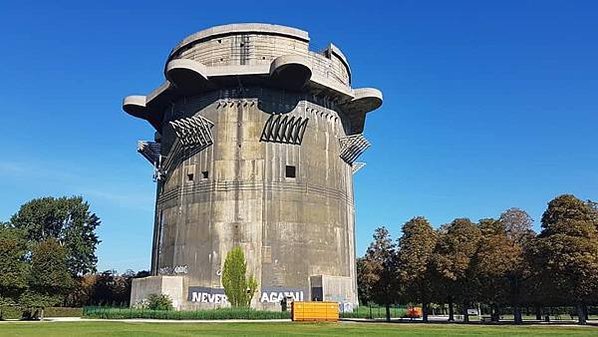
[
  {"x": 186, "y": 296},
  {"x": 339, "y": 289},
  {"x": 173, "y": 286}
]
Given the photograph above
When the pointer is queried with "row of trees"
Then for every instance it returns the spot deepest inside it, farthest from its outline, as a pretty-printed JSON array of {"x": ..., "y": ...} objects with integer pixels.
[
  {"x": 499, "y": 262},
  {"x": 108, "y": 288}
]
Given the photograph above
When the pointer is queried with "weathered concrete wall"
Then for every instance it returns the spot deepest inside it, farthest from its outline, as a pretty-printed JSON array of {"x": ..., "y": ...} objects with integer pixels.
[{"x": 289, "y": 228}]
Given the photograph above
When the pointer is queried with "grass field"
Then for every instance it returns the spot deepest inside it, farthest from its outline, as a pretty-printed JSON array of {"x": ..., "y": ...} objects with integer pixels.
[{"x": 106, "y": 328}]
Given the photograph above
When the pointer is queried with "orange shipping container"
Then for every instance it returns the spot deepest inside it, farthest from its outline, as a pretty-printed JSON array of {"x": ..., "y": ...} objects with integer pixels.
[{"x": 314, "y": 311}]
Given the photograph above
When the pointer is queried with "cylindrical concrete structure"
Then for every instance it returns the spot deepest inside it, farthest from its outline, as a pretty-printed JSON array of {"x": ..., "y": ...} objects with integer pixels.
[{"x": 256, "y": 141}]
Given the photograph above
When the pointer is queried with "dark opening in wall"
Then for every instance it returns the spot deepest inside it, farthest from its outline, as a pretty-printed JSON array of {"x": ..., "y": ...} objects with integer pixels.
[
  {"x": 205, "y": 174},
  {"x": 189, "y": 176},
  {"x": 290, "y": 171}
]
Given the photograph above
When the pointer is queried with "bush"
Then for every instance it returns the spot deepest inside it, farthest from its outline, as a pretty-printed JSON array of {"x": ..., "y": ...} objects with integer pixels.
[
  {"x": 159, "y": 302},
  {"x": 14, "y": 312},
  {"x": 213, "y": 314},
  {"x": 63, "y": 312},
  {"x": 373, "y": 312},
  {"x": 10, "y": 312}
]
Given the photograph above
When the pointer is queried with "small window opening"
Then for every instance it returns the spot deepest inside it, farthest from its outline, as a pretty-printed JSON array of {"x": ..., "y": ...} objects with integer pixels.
[
  {"x": 189, "y": 176},
  {"x": 205, "y": 174},
  {"x": 290, "y": 171},
  {"x": 219, "y": 40}
]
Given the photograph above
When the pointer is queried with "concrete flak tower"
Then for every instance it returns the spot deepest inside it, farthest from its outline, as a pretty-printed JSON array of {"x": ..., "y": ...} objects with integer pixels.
[{"x": 256, "y": 144}]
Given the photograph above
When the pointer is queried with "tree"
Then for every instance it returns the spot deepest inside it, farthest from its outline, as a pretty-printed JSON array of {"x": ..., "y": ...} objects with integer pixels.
[
  {"x": 379, "y": 269},
  {"x": 500, "y": 265},
  {"x": 105, "y": 288},
  {"x": 364, "y": 289},
  {"x": 566, "y": 252},
  {"x": 518, "y": 229},
  {"x": 517, "y": 225},
  {"x": 49, "y": 279},
  {"x": 67, "y": 220},
  {"x": 13, "y": 268},
  {"x": 416, "y": 247},
  {"x": 239, "y": 289},
  {"x": 451, "y": 262}
]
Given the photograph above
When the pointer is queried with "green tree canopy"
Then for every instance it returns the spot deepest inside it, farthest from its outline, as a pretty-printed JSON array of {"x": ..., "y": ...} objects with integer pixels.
[
  {"x": 13, "y": 267},
  {"x": 67, "y": 220},
  {"x": 239, "y": 288},
  {"x": 49, "y": 279}
]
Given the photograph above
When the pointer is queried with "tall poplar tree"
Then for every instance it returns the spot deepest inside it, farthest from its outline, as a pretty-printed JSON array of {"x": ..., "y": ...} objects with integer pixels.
[{"x": 239, "y": 288}]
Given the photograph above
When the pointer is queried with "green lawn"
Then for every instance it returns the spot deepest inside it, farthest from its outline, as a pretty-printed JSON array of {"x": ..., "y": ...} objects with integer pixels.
[{"x": 50, "y": 329}]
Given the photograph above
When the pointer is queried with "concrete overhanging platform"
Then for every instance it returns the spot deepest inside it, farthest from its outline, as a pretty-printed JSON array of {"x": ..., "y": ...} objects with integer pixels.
[
  {"x": 134, "y": 105},
  {"x": 364, "y": 101},
  {"x": 188, "y": 77},
  {"x": 291, "y": 71},
  {"x": 309, "y": 73}
]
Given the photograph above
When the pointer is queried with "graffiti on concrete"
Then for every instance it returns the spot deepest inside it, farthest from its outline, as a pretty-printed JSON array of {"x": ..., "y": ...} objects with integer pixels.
[
  {"x": 176, "y": 270},
  {"x": 207, "y": 295},
  {"x": 275, "y": 295},
  {"x": 266, "y": 295}
]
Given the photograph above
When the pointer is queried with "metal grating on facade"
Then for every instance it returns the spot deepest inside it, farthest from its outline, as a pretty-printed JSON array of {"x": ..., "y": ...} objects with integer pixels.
[
  {"x": 193, "y": 131},
  {"x": 284, "y": 129},
  {"x": 150, "y": 151},
  {"x": 352, "y": 147},
  {"x": 358, "y": 165}
]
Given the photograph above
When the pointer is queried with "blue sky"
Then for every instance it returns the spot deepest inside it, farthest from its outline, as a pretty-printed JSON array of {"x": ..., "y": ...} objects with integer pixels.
[{"x": 488, "y": 105}]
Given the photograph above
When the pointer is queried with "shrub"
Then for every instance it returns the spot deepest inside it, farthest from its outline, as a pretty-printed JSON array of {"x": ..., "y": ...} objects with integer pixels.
[
  {"x": 63, "y": 312},
  {"x": 159, "y": 302},
  {"x": 213, "y": 314}
]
